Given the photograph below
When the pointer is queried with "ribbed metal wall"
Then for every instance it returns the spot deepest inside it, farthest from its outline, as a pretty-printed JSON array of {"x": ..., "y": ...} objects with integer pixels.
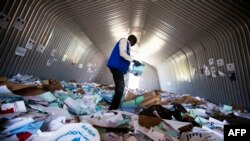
[
  {"x": 177, "y": 37},
  {"x": 227, "y": 38},
  {"x": 44, "y": 19}
]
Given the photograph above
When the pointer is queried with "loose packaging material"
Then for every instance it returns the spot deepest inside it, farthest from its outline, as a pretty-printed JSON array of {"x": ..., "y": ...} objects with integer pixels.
[
  {"x": 216, "y": 132},
  {"x": 20, "y": 88},
  {"x": 238, "y": 108},
  {"x": 3, "y": 79},
  {"x": 158, "y": 135},
  {"x": 70, "y": 106},
  {"x": 133, "y": 103},
  {"x": 200, "y": 120},
  {"x": 4, "y": 89},
  {"x": 81, "y": 91},
  {"x": 25, "y": 89},
  {"x": 35, "y": 100},
  {"x": 75, "y": 107},
  {"x": 106, "y": 120},
  {"x": 198, "y": 112},
  {"x": 199, "y": 135},
  {"x": 150, "y": 94},
  {"x": 48, "y": 96},
  {"x": 227, "y": 108},
  {"x": 56, "y": 123},
  {"x": 181, "y": 126},
  {"x": 73, "y": 81},
  {"x": 72, "y": 131},
  {"x": 52, "y": 85},
  {"x": 188, "y": 100},
  {"x": 17, "y": 106},
  {"x": 153, "y": 101},
  {"x": 34, "y": 92},
  {"x": 109, "y": 137},
  {"x": 149, "y": 98},
  {"x": 148, "y": 122},
  {"x": 30, "y": 128},
  {"x": 156, "y": 111},
  {"x": 15, "y": 125},
  {"x": 130, "y": 96}
]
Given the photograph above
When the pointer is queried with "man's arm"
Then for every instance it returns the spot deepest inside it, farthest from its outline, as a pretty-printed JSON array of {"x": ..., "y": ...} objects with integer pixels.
[{"x": 123, "y": 50}]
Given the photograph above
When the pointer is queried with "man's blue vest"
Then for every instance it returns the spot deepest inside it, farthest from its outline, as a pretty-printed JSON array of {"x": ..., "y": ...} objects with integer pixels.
[{"x": 118, "y": 62}]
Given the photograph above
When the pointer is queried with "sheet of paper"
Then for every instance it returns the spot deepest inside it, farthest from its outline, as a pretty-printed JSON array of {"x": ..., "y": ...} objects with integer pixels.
[
  {"x": 4, "y": 89},
  {"x": 30, "y": 43},
  {"x": 80, "y": 66},
  {"x": 20, "y": 51},
  {"x": 4, "y": 20},
  {"x": 64, "y": 58},
  {"x": 211, "y": 61},
  {"x": 230, "y": 67},
  {"x": 19, "y": 23},
  {"x": 53, "y": 52},
  {"x": 220, "y": 62}
]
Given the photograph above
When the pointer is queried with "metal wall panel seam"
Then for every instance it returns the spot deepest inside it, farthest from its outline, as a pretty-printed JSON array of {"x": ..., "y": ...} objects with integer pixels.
[
  {"x": 20, "y": 64},
  {"x": 180, "y": 72},
  {"x": 30, "y": 29},
  {"x": 56, "y": 42},
  {"x": 173, "y": 63},
  {"x": 199, "y": 65},
  {"x": 208, "y": 14},
  {"x": 245, "y": 25},
  {"x": 188, "y": 71},
  {"x": 222, "y": 46},
  {"x": 11, "y": 63},
  {"x": 173, "y": 83},
  {"x": 95, "y": 10},
  {"x": 9, "y": 31},
  {"x": 234, "y": 29},
  {"x": 64, "y": 51},
  {"x": 192, "y": 62},
  {"x": 35, "y": 57},
  {"x": 216, "y": 53},
  {"x": 178, "y": 16},
  {"x": 215, "y": 87},
  {"x": 188, "y": 52},
  {"x": 10, "y": 49},
  {"x": 59, "y": 21},
  {"x": 201, "y": 54},
  {"x": 163, "y": 81},
  {"x": 7, "y": 10},
  {"x": 38, "y": 60},
  {"x": 62, "y": 14},
  {"x": 217, "y": 31},
  {"x": 3, "y": 8},
  {"x": 163, "y": 77}
]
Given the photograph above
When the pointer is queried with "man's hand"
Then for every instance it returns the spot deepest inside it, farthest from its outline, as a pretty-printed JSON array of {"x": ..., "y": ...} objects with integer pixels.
[{"x": 137, "y": 63}]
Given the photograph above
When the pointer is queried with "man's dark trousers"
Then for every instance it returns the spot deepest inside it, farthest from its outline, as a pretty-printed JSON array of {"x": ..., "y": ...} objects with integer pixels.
[{"x": 118, "y": 77}]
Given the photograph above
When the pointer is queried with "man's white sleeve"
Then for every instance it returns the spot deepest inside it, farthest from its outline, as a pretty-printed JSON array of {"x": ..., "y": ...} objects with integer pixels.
[{"x": 123, "y": 50}]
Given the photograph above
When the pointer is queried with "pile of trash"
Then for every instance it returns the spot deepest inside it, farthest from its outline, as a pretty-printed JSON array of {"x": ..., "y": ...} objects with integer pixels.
[{"x": 34, "y": 109}]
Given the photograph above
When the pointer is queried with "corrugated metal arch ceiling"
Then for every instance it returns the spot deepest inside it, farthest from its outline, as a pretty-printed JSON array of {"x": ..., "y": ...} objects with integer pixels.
[{"x": 165, "y": 26}]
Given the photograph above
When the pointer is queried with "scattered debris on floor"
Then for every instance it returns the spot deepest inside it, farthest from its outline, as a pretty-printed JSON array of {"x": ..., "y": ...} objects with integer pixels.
[{"x": 32, "y": 109}]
